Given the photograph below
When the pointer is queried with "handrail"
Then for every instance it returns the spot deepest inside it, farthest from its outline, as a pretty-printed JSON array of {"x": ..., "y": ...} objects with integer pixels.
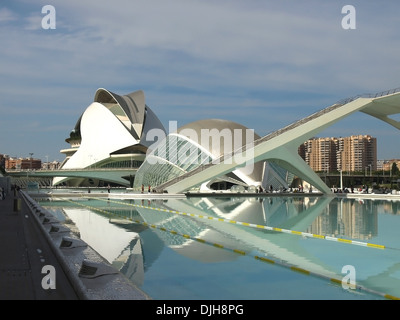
[
  {"x": 369, "y": 95},
  {"x": 66, "y": 170}
]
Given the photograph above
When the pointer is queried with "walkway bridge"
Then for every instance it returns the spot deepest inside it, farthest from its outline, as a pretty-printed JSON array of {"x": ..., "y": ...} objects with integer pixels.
[
  {"x": 113, "y": 175},
  {"x": 281, "y": 146}
]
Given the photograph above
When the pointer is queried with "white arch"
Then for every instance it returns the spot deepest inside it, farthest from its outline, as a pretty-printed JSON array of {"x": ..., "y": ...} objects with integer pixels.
[{"x": 281, "y": 145}]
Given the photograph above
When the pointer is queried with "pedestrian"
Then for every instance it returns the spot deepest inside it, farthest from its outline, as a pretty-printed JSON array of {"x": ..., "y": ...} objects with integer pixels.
[
  {"x": 108, "y": 188},
  {"x": 142, "y": 188},
  {"x": 149, "y": 190},
  {"x": 1, "y": 193}
]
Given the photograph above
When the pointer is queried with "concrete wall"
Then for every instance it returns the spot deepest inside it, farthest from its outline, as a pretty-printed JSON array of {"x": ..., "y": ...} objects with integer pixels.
[{"x": 5, "y": 182}]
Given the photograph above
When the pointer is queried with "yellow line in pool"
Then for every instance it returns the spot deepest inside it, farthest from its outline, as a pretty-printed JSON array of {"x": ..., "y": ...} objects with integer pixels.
[{"x": 246, "y": 224}]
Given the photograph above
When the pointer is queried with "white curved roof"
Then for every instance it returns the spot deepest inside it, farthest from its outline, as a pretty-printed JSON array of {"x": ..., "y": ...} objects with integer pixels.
[
  {"x": 132, "y": 105},
  {"x": 102, "y": 134},
  {"x": 110, "y": 125}
]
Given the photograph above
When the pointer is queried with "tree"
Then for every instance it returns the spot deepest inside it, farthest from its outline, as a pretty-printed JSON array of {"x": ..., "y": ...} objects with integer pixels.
[{"x": 395, "y": 169}]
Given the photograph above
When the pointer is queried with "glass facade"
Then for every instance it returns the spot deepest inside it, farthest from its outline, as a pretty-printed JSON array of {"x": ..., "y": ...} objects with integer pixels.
[
  {"x": 122, "y": 164},
  {"x": 173, "y": 156}
]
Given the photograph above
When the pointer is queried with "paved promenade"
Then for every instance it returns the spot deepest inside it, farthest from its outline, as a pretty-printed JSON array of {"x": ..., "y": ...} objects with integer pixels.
[
  {"x": 23, "y": 253},
  {"x": 40, "y": 259}
]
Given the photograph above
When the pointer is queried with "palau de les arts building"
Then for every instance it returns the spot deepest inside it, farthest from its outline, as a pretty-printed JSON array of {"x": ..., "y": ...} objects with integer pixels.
[{"x": 121, "y": 131}]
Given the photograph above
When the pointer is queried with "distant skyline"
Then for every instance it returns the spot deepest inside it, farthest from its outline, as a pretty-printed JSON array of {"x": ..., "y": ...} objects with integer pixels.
[{"x": 263, "y": 64}]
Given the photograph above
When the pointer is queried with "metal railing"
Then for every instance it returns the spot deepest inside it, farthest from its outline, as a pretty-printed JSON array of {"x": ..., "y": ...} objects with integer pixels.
[
  {"x": 369, "y": 95},
  {"x": 70, "y": 170}
]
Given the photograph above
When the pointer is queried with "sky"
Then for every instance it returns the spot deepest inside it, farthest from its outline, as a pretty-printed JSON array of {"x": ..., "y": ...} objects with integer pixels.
[{"x": 261, "y": 63}]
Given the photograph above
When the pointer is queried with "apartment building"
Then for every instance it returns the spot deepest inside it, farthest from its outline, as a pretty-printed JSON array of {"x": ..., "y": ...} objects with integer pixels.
[
  {"x": 23, "y": 164},
  {"x": 351, "y": 154},
  {"x": 320, "y": 154}
]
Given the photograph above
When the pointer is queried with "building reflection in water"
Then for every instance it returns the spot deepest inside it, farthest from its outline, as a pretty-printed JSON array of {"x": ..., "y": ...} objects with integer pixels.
[
  {"x": 350, "y": 219},
  {"x": 133, "y": 252}
]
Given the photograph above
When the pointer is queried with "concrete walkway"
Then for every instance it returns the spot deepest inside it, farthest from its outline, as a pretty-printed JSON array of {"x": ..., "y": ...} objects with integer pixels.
[
  {"x": 23, "y": 254},
  {"x": 41, "y": 259}
]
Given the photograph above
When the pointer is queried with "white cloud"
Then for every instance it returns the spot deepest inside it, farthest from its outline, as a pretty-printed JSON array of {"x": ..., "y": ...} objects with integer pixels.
[
  {"x": 7, "y": 15},
  {"x": 206, "y": 41}
]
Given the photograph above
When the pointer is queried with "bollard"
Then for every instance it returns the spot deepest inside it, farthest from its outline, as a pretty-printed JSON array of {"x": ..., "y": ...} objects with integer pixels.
[{"x": 17, "y": 204}]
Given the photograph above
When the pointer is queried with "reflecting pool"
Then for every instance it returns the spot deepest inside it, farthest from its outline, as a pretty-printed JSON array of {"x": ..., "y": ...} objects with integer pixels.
[{"x": 277, "y": 247}]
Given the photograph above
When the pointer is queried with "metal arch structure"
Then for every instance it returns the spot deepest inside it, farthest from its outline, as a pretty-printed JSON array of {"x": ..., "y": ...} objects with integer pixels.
[{"x": 281, "y": 146}]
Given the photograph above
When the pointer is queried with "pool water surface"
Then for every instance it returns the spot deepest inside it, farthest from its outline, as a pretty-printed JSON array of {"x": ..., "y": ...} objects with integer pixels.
[{"x": 280, "y": 247}]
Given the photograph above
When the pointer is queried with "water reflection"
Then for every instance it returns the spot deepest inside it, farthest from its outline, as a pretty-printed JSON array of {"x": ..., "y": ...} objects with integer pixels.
[{"x": 151, "y": 226}]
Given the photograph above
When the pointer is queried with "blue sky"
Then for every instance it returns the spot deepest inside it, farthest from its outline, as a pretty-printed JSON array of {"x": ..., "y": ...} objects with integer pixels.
[{"x": 263, "y": 64}]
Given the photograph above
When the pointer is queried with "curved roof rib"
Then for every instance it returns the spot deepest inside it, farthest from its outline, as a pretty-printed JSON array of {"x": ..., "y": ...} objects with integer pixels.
[
  {"x": 133, "y": 105},
  {"x": 151, "y": 122}
]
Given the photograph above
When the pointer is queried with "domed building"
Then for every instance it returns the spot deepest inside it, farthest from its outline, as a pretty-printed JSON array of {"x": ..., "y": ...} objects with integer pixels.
[
  {"x": 200, "y": 143},
  {"x": 110, "y": 133}
]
